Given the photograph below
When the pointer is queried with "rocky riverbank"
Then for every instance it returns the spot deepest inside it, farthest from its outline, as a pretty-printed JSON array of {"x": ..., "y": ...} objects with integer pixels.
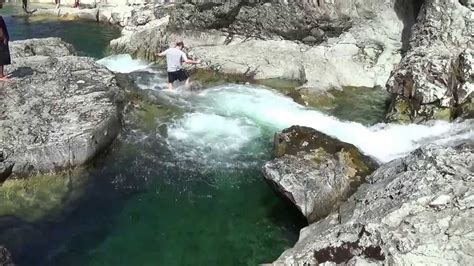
[
  {"x": 414, "y": 210},
  {"x": 329, "y": 47},
  {"x": 410, "y": 47},
  {"x": 59, "y": 110},
  {"x": 436, "y": 78},
  {"x": 334, "y": 45},
  {"x": 62, "y": 110},
  {"x": 110, "y": 14}
]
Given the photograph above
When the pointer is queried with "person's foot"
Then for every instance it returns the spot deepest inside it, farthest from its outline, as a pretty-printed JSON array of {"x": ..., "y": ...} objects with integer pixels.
[{"x": 5, "y": 77}]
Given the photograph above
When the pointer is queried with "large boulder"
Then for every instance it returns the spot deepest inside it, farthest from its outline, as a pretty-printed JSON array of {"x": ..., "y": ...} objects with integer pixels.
[
  {"x": 315, "y": 171},
  {"x": 412, "y": 211},
  {"x": 58, "y": 110},
  {"x": 435, "y": 78}
]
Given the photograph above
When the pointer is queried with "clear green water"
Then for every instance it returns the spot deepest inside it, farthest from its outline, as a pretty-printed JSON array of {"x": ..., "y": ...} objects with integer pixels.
[
  {"x": 89, "y": 38},
  {"x": 364, "y": 105},
  {"x": 146, "y": 204}
]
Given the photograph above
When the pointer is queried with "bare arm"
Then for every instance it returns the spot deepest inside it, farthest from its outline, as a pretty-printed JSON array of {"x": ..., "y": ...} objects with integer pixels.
[{"x": 192, "y": 62}]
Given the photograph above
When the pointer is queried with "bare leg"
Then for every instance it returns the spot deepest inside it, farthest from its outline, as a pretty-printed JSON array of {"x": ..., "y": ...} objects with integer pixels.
[
  {"x": 2, "y": 74},
  {"x": 170, "y": 86},
  {"x": 187, "y": 84}
]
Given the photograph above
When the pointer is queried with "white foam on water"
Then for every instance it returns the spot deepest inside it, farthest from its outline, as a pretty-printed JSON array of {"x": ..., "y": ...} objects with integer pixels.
[
  {"x": 123, "y": 63},
  {"x": 230, "y": 117},
  {"x": 216, "y": 135}
]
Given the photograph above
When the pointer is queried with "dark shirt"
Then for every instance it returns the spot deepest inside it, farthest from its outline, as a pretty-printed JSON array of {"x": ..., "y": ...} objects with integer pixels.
[{"x": 3, "y": 26}]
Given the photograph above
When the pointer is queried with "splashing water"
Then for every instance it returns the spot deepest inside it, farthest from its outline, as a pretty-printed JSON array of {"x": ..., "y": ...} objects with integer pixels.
[
  {"x": 383, "y": 141},
  {"x": 229, "y": 119},
  {"x": 123, "y": 63}
]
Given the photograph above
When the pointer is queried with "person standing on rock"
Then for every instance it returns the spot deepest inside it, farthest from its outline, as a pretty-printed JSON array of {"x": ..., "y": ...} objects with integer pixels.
[
  {"x": 174, "y": 61},
  {"x": 4, "y": 50}
]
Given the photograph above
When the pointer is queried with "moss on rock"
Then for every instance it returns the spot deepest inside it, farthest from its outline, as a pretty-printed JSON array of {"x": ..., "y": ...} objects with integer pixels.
[
  {"x": 443, "y": 114},
  {"x": 296, "y": 139},
  {"x": 210, "y": 77},
  {"x": 401, "y": 111},
  {"x": 38, "y": 196},
  {"x": 149, "y": 114}
]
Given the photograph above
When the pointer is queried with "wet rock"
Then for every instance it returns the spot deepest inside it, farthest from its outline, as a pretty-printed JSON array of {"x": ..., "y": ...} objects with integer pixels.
[
  {"x": 58, "y": 110},
  {"x": 5, "y": 257},
  {"x": 412, "y": 211},
  {"x": 315, "y": 171},
  {"x": 435, "y": 77}
]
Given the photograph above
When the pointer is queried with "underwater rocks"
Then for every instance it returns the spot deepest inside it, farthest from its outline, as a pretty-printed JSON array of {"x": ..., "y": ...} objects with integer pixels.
[
  {"x": 435, "y": 79},
  {"x": 33, "y": 198},
  {"x": 58, "y": 110},
  {"x": 5, "y": 257},
  {"x": 315, "y": 171},
  {"x": 412, "y": 211}
]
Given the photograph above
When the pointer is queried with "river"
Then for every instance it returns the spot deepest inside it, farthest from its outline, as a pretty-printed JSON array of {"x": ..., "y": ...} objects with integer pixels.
[{"x": 182, "y": 183}]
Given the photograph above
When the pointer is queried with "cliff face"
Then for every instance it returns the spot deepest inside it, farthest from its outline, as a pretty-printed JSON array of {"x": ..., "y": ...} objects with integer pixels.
[
  {"x": 435, "y": 78},
  {"x": 310, "y": 22},
  {"x": 322, "y": 44}
]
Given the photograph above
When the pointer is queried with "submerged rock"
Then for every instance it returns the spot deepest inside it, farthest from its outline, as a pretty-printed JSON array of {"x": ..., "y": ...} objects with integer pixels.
[
  {"x": 435, "y": 78},
  {"x": 412, "y": 211},
  {"x": 36, "y": 197},
  {"x": 5, "y": 257},
  {"x": 315, "y": 171},
  {"x": 58, "y": 110}
]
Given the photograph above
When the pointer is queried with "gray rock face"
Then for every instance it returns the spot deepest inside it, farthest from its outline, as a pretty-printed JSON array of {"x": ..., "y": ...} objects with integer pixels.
[
  {"x": 435, "y": 77},
  {"x": 413, "y": 211},
  {"x": 315, "y": 171},
  {"x": 322, "y": 44},
  {"x": 306, "y": 21},
  {"x": 47, "y": 47},
  {"x": 115, "y": 15},
  {"x": 57, "y": 111}
]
